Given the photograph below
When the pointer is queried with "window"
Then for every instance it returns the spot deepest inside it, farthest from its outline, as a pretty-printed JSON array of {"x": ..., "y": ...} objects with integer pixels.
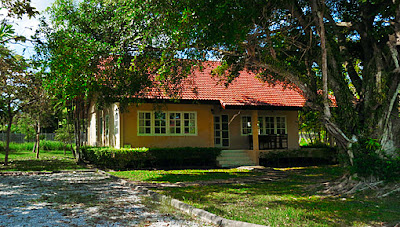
[
  {"x": 160, "y": 125},
  {"x": 272, "y": 125},
  {"x": 116, "y": 121},
  {"x": 221, "y": 131},
  {"x": 167, "y": 123},
  {"x": 280, "y": 125},
  {"x": 175, "y": 123},
  {"x": 101, "y": 126},
  {"x": 144, "y": 123},
  {"x": 189, "y": 123},
  {"x": 246, "y": 125},
  {"x": 107, "y": 123}
]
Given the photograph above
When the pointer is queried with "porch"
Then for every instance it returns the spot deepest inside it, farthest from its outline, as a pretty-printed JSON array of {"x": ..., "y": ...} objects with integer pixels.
[{"x": 244, "y": 134}]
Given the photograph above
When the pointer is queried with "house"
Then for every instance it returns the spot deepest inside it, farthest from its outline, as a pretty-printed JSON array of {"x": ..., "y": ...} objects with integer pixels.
[{"x": 247, "y": 117}]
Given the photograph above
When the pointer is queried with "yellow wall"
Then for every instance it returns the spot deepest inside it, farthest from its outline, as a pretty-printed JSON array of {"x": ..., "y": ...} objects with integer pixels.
[
  {"x": 204, "y": 137},
  {"x": 127, "y": 134}
]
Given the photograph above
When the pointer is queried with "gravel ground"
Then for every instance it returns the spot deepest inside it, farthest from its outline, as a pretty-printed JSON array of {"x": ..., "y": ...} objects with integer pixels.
[{"x": 78, "y": 199}]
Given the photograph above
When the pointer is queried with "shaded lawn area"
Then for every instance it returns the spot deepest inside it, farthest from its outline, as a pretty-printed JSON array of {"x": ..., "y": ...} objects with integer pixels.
[
  {"x": 285, "y": 202},
  {"x": 25, "y": 160},
  {"x": 188, "y": 175}
]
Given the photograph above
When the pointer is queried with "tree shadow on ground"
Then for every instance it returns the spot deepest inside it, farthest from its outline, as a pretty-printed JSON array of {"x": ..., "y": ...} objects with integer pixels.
[
  {"x": 41, "y": 165},
  {"x": 203, "y": 176},
  {"x": 290, "y": 198}
]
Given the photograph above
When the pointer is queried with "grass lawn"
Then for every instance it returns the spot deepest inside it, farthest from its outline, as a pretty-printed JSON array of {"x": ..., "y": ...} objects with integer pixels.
[
  {"x": 21, "y": 158},
  {"x": 288, "y": 201},
  {"x": 189, "y": 175}
]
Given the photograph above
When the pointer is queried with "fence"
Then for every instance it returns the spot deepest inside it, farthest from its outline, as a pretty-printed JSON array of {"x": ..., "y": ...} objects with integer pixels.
[{"x": 20, "y": 138}]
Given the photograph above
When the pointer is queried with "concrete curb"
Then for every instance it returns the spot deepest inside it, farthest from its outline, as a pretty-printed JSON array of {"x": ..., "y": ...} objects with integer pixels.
[{"x": 186, "y": 208}]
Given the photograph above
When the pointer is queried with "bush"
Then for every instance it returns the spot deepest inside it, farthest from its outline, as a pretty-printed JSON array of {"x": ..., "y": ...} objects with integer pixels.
[
  {"x": 133, "y": 158},
  {"x": 368, "y": 162},
  {"x": 115, "y": 158}
]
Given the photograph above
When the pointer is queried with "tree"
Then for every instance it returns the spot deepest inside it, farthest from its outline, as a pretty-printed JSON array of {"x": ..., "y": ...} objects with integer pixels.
[
  {"x": 13, "y": 86},
  {"x": 348, "y": 49},
  {"x": 40, "y": 109},
  {"x": 18, "y": 7},
  {"x": 89, "y": 54},
  {"x": 73, "y": 51}
]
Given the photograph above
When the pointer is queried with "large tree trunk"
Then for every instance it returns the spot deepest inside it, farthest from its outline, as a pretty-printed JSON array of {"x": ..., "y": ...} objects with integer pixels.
[{"x": 390, "y": 139}]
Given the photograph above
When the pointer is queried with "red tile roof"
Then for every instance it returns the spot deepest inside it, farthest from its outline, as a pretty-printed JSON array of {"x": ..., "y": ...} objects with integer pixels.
[{"x": 245, "y": 90}]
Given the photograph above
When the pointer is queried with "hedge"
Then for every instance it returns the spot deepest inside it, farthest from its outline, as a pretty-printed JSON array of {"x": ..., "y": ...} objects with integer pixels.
[{"x": 136, "y": 158}]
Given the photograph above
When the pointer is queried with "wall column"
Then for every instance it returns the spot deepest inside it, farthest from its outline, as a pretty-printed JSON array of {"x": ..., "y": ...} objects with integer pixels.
[{"x": 254, "y": 128}]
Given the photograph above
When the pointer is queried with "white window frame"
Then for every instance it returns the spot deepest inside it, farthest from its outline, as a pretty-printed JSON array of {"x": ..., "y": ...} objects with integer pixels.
[
  {"x": 241, "y": 126},
  {"x": 107, "y": 125},
  {"x": 220, "y": 130},
  {"x": 275, "y": 124},
  {"x": 167, "y": 114},
  {"x": 116, "y": 121}
]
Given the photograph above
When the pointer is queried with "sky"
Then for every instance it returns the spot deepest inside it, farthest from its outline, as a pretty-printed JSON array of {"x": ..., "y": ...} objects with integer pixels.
[{"x": 26, "y": 27}]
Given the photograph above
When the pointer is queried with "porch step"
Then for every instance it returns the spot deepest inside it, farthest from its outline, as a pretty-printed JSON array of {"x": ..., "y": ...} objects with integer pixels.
[{"x": 234, "y": 158}]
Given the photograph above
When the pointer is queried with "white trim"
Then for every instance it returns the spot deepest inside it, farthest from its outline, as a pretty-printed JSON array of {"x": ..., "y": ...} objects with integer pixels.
[
  {"x": 167, "y": 114},
  {"x": 275, "y": 123},
  {"x": 241, "y": 125},
  {"x": 221, "y": 131}
]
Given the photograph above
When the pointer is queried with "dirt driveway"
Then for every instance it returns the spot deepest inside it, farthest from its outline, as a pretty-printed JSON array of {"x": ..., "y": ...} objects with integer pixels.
[{"x": 78, "y": 199}]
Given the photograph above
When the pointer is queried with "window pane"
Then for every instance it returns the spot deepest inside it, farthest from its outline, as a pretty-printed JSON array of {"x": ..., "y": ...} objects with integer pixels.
[
  {"x": 217, "y": 141},
  {"x": 246, "y": 125}
]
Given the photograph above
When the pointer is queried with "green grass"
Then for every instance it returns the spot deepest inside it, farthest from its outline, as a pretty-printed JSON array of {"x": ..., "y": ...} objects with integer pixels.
[
  {"x": 189, "y": 175},
  {"x": 286, "y": 202},
  {"x": 21, "y": 158}
]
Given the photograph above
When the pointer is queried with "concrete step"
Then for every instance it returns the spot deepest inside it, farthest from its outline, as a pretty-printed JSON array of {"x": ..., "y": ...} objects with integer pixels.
[
  {"x": 224, "y": 152},
  {"x": 243, "y": 158},
  {"x": 234, "y": 158}
]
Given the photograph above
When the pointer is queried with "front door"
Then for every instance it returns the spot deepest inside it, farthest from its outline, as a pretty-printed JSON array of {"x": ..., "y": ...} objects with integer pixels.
[{"x": 221, "y": 130}]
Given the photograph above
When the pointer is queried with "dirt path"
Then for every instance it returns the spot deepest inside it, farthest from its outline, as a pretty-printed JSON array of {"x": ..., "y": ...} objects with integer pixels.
[{"x": 77, "y": 199}]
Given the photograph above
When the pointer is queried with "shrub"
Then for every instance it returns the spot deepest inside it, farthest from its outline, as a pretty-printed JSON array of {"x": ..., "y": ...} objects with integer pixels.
[
  {"x": 368, "y": 162},
  {"x": 133, "y": 158}
]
